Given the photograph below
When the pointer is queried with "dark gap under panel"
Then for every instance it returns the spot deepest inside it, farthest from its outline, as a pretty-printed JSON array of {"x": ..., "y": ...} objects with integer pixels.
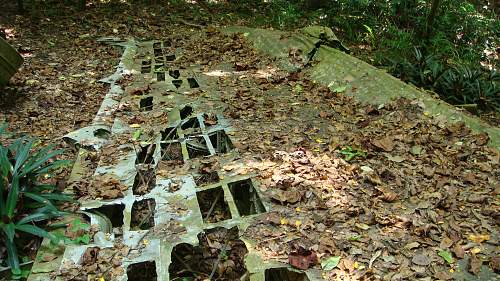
[
  {"x": 145, "y": 69},
  {"x": 186, "y": 111},
  {"x": 113, "y": 212},
  {"x": 102, "y": 133},
  {"x": 144, "y": 271},
  {"x": 191, "y": 263},
  {"x": 191, "y": 123},
  {"x": 145, "y": 155},
  {"x": 159, "y": 67},
  {"x": 146, "y": 62},
  {"x": 142, "y": 215},
  {"x": 170, "y": 57},
  {"x": 144, "y": 181},
  {"x": 174, "y": 73},
  {"x": 213, "y": 205},
  {"x": 156, "y": 45},
  {"x": 169, "y": 133},
  {"x": 284, "y": 274},
  {"x": 158, "y": 52},
  {"x": 246, "y": 198},
  {"x": 177, "y": 83},
  {"x": 160, "y": 76},
  {"x": 171, "y": 155},
  {"x": 197, "y": 147},
  {"x": 146, "y": 104},
  {"x": 221, "y": 142},
  {"x": 193, "y": 83}
]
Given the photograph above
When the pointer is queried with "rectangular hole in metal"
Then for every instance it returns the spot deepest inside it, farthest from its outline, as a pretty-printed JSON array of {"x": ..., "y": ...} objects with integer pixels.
[
  {"x": 160, "y": 76},
  {"x": 159, "y": 67},
  {"x": 170, "y": 57},
  {"x": 221, "y": 142},
  {"x": 197, "y": 147},
  {"x": 144, "y": 181},
  {"x": 146, "y": 104},
  {"x": 174, "y": 73},
  {"x": 246, "y": 198},
  {"x": 146, "y": 62},
  {"x": 169, "y": 133},
  {"x": 193, "y": 83},
  {"x": 171, "y": 154},
  {"x": 156, "y": 45},
  {"x": 213, "y": 206},
  {"x": 142, "y": 215},
  {"x": 113, "y": 212},
  {"x": 214, "y": 244},
  {"x": 158, "y": 52},
  {"x": 177, "y": 83},
  {"x": 145, "y": 69},
  {"x": 284, "y": 274},
  {"x": 167, "y": 43},
  {"x": 191, "y": 123},
  {"x": 145, "y": 271},
  {"x": 186, "y": 111},
  {"x": 145, "y": 155}
]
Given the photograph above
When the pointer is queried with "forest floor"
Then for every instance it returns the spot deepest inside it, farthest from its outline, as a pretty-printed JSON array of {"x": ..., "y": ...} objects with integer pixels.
[{"x": 394, "y": 193}]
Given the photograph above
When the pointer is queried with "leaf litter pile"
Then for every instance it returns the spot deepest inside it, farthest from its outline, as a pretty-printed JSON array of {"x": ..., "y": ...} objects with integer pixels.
[{"x": 358, "y": 191}]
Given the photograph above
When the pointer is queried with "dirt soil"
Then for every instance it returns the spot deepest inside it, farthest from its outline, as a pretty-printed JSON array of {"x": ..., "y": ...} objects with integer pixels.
[{"x": 394, "y": 193}]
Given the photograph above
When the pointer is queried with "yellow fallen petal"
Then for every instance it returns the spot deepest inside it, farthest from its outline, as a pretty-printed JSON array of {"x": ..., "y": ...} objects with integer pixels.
[
  {"x": 135, "y": 126},
  {"x": 479, "y": 238},
  {"x": 475, "y": 250},
  {"x": 355, "y": 265},
  {"x": 284, "y": 221},
  {"x": 298, "y": 223}
]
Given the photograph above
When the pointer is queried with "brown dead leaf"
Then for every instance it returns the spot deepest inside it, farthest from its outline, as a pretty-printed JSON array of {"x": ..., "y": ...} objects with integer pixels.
[
  {"x": 495, "y": 263},
  {"x": 458, "y": 250},
  {"x": 482, "y": 138},
  {"x": 475, "y": 265},
  {"x": 48, "y": 257},
  {"x": 386, "y": 144},
  {"x": 446, "y": 243},
  {"x": 421, "y": 259},
  {"x": 327, "y": 244},
  {"x": 389, "y": 196},
  {"x": 90, "y": 256},
  {"x": 302, "y": 259},
  {"x": 443, "y": 275}
]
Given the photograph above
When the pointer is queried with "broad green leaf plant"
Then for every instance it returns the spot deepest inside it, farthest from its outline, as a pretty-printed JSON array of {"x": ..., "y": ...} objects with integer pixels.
[{"x": 24, "y": 200}]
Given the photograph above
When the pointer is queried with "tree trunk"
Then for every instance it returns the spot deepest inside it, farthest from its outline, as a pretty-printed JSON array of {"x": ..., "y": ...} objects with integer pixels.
[
  {"x": 432, "y": 16},
  {"x": 20, "y": 6}
]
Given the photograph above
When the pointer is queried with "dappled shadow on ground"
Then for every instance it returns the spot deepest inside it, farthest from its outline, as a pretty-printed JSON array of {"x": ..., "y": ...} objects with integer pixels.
[{"x": 387, "y": 188}]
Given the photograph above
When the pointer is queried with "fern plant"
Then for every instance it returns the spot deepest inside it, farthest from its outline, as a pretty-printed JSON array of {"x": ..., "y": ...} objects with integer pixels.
[{"x": 24, "y": 200}]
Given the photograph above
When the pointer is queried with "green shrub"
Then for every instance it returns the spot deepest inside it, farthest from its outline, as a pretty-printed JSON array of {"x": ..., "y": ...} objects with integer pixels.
[
  {"x": 24, "y": 200},
  {"x": 455, "y": 83}
]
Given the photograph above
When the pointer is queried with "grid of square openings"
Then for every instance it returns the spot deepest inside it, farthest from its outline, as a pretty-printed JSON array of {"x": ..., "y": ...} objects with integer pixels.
[{"x": 161, "y": 65}]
